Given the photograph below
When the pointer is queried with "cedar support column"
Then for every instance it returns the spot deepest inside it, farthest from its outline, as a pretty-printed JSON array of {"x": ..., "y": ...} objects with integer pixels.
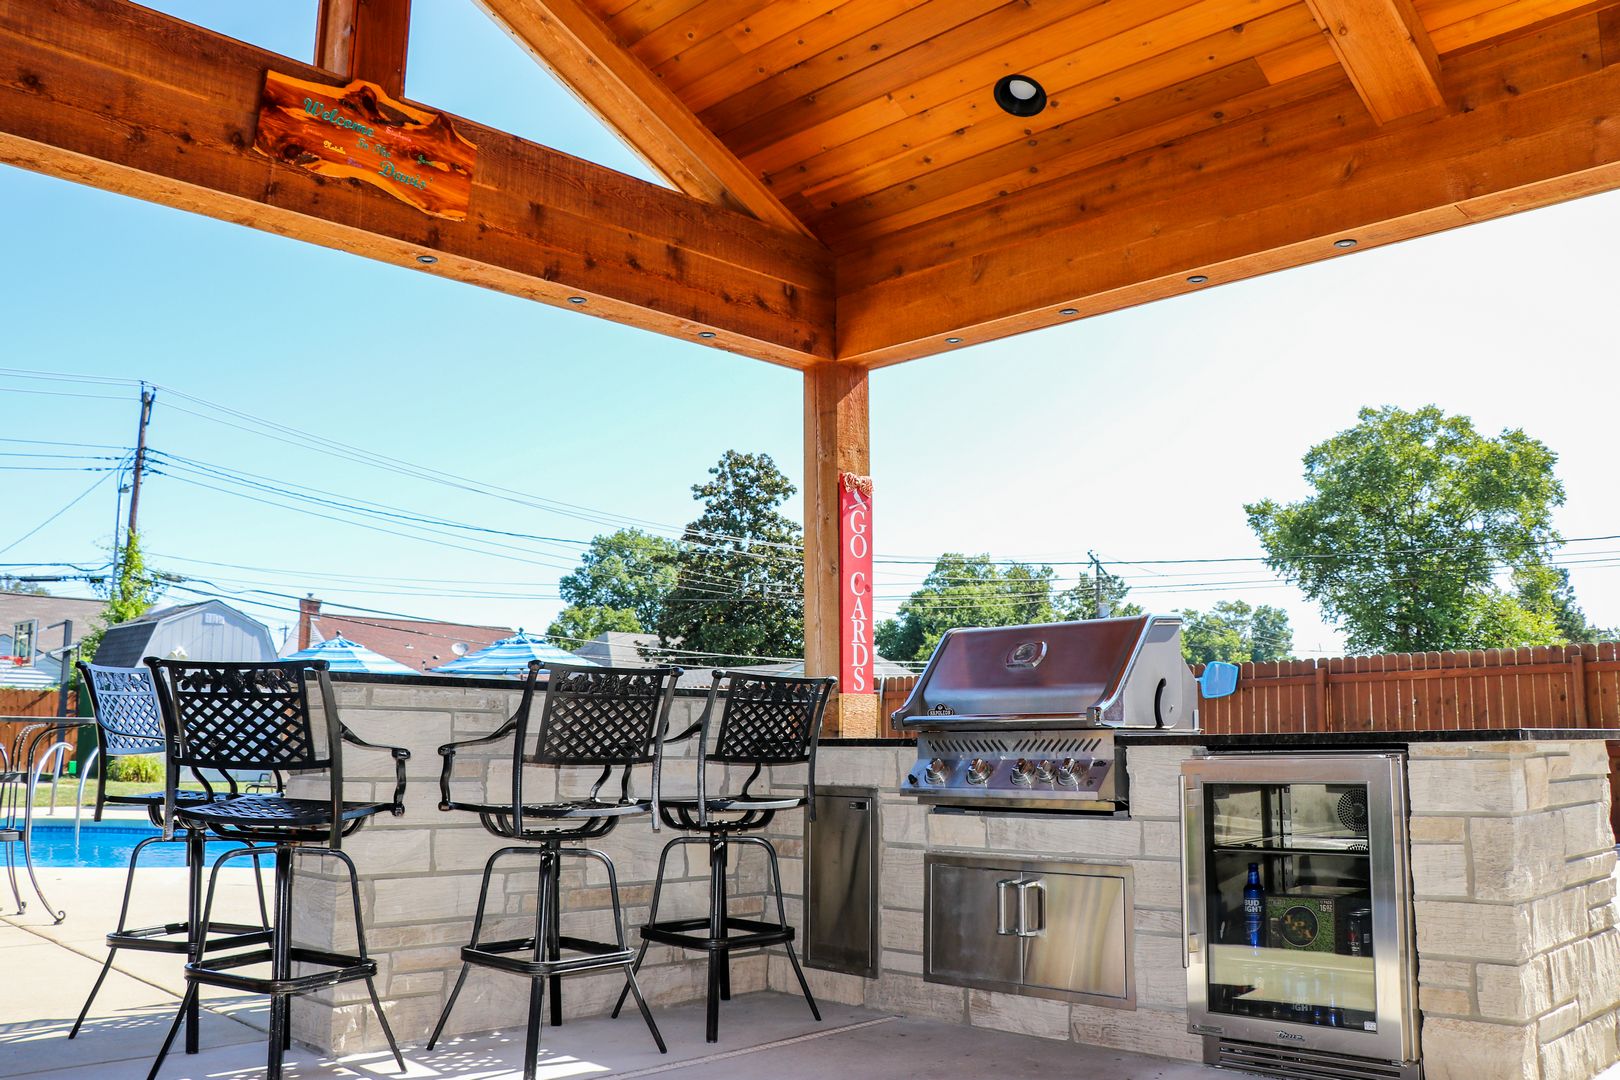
[{"x": 836, "y": 440}]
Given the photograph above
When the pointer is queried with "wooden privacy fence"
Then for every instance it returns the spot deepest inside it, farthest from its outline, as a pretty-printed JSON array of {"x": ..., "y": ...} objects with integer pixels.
[
  {"x": 1547, "y": 686},
  {"x": 38, "y": 706}
]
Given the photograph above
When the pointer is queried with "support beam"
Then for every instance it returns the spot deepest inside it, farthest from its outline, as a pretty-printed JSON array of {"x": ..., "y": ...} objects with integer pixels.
[
  {"x": 569, "y": 38},
  {"x": 837, "y": 439},
  {"x": 1273, "y": 191},
  {"x": 1385, "y": 49},
  {"x": 113, "y": 95},
  {"x": 365, "y": 39}
]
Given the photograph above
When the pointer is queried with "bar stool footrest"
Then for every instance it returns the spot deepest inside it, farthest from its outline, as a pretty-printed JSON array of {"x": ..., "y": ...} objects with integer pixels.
[
  {"x": 497, "y": 954},
  {"x": 694, "y": 933},
  {"x": 173, "y": 937},
  {"x": 340, "y": 969}
]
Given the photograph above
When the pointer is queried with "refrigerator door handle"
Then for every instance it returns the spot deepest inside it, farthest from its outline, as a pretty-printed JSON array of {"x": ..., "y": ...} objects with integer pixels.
[{"x": 1187, "y": 929}]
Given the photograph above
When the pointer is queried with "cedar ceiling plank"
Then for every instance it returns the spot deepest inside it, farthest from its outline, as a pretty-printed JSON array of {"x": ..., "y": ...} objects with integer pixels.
[
  {"x": 733, "y": 44},
  {"x": 772, "y": 58},
  {"x": 1304, "y": 184},
  {"x": 923, "y": 144},
  {"x": 569, "y": 38},
  {"x": 1387, "y": 52},
  {"x": 848, "y": 55},
  {"x": 698, "y": 25},
  {"x": 118, "y": 97},
  {"x": 365, "y": 39},
  {"x": 636, "y": 20}
]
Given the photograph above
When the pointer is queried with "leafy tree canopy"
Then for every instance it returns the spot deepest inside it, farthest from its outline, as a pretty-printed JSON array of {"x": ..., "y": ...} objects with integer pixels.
[
  {"x": 620, "y": 584},
  {"x": 1414, "y": 521},
  {"x": 1235, "y": 632},
  {"x": 129, "y": 595},
  {"x": 966, "y": 590},
  {"x": 1080, "y": 602},
  {"x": 739, "y": 590},
  {"x": 11, "y": 584}
]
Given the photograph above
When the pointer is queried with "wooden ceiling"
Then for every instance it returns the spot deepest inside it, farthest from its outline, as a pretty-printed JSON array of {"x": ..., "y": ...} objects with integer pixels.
[{"x": 846, "y": 188}]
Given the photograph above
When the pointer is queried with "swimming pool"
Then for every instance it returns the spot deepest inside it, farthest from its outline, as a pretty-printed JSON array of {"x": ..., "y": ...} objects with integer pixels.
[{"x": 58, "y": 843}]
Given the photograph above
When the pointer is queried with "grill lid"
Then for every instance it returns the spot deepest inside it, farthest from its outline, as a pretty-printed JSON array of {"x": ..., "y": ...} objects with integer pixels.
[{"x": 1057, "y": 671}]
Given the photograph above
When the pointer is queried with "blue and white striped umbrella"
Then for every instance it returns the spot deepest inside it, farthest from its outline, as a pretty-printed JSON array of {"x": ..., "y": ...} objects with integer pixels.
[
  {"x": 511, "y": 656},
  {"x": 341, "y": 654}
]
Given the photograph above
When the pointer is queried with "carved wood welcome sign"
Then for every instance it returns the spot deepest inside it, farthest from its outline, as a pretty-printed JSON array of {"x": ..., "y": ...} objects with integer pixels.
[{"x": 358, "y": 132}]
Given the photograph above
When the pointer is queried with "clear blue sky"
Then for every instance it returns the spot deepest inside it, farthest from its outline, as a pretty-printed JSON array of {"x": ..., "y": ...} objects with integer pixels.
[{"x": 1138, "y": 434}]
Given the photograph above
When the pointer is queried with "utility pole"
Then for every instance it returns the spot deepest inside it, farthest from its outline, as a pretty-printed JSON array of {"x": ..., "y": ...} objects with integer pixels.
[
  {"x": 1097, "y": 585},
  {"x": 147, "y": 397}
]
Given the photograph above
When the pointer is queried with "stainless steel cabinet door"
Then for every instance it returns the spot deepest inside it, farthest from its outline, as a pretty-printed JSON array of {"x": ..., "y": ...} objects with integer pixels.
[
  {"x": 966, "y": 904},
  {"x": 1073, "y": 928}
]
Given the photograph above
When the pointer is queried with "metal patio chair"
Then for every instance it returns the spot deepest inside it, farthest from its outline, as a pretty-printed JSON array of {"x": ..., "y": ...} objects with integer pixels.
[
  {"x": 258, "y": 717},
  {"x": 611, "y": 718},
  {"x": 32, "y": 749},
  {"x": 766, "y": 720},
  {"x": 128, "y": 723}
]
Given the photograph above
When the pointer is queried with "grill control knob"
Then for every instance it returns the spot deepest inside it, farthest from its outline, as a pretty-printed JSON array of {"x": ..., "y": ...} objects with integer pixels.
[
  {"x": 978, "y": 772},
  {"x": 937, "y": 771},
  {"x": 1066, "y": 769},
  {"x": 1023, "y": 772},
  {"x": 1043, "y": 771}
]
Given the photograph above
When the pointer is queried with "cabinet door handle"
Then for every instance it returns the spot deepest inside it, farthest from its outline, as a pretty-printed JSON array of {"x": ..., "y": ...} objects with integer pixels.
[
  {"x": 1002, "y": 929},
  {"x": 1027, "y": 926}
]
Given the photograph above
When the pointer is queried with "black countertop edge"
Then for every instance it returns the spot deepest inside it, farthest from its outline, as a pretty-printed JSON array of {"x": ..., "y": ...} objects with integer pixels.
[
  {"x": 909, "y": 742},
  {"x": 368, "y": 678},
  {"x": 1285, "y": 740}
]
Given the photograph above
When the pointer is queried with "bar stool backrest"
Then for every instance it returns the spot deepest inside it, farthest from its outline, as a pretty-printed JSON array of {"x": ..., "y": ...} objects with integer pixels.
[
  {"x": 126, "y": 711},
  {"x": 766, "y": 720}
]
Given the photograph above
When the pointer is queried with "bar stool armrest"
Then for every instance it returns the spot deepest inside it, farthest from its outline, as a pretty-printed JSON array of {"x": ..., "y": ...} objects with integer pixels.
[
  {"x": 400, "y": 755},
  {"x": 448, "y": 753}
]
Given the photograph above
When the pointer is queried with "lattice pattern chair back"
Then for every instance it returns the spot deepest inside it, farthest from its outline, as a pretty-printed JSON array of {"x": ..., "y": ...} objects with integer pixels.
[
  {"x": 603, "y": 715},
  {"x": 245, "y": 716},
  {"x": 126, "y": 709},
  {"x": 769, "y": 719}
]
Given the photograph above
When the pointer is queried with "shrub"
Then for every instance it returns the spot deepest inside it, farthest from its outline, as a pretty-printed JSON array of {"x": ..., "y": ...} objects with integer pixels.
[{"x": 136, "y": 768}]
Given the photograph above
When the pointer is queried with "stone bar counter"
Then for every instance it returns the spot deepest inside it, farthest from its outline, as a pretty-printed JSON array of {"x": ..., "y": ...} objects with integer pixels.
[{"x": 1512, "y": 865}]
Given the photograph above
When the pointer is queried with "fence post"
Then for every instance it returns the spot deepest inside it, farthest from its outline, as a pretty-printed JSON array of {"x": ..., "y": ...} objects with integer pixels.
[
  {"x": 1324, "y": 720},
  {"x": 1577, "y": 685}
]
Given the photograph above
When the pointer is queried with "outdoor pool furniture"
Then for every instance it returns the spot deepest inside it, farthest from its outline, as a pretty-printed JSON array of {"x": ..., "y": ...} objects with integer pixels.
[
  {"x": 594, "y": 717},
  {"x": 258, "y": 716},
  {"x": 766, "y": 720},
  {"x": 128, "y": 722},
  {"x": 32, "y": 750}
]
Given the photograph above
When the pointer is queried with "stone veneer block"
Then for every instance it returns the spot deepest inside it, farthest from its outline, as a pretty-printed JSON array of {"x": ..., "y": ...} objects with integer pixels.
[
  {"x": 1474, "y": 1050},
  {"x": 1020, "y": 1015}
]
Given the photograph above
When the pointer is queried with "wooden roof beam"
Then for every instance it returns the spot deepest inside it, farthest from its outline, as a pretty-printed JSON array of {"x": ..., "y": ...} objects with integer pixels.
[
  {"x": 1275, "y": 190},
  {"x": 613, "y": 83},
  {"x": 1385, "y": 49},
  {"x": 119, "y": 97},
  {"x": 365, "y": 39}
]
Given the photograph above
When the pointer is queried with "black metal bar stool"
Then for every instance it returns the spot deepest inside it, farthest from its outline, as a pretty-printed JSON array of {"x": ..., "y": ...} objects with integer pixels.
[
  {"x": 612, "y": 718},
  {"x": 128, "y": 722},
  {"x": 258, "y": 717},
  {"x": 767, "y": 720},
  {"x": 33, "y": 746}
]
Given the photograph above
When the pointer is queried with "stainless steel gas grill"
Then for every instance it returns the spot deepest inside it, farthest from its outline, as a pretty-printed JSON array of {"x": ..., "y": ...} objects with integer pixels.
[{"x": 1021, "y": 717}]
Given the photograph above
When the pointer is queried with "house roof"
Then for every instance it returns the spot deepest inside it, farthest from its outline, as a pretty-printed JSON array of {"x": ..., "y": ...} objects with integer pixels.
[
  {"x": 419, "y": 644},
  {"x": 615, "y": 648},
  {"x": 125, "y": 644},
  {"x": 48, "y": 610}
]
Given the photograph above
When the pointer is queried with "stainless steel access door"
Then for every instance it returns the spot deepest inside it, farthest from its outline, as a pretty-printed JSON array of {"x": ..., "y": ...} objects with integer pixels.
[{"x": 1046, "y": 929}]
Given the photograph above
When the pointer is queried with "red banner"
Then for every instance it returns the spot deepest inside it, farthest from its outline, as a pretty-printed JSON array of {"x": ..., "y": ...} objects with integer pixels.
[{"x": 855, "y": 652}]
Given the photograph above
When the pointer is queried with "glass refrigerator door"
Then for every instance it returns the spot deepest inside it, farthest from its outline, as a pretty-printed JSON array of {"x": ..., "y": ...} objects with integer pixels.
[{"x": 1288, "y": 904}]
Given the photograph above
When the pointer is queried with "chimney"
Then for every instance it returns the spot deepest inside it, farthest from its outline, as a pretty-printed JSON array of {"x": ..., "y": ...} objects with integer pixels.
[{"x": 309, "y": 609}]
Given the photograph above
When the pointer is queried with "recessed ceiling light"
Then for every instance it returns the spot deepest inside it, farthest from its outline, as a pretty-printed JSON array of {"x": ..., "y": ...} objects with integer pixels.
[
  {"x": 427, "y": 260},
  {"x": 1069, "y": 311},
  {"x": 1345, "y": 243},
  {"x": 705, "y": 334},
  {"x": 953, "y": 341},
  {"x": 576, "y": 299},
  {"x": 1020, "y": 95},
  {"x": 1197, "y": 279}
]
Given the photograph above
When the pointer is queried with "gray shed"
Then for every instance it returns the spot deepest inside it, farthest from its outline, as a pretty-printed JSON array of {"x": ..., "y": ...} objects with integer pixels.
[{"x": 207, "y": 631}]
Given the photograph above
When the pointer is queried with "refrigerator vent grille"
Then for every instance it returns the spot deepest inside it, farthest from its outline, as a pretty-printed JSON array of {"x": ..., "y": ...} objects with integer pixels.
[
  {"x": 1307, "y": 1064},
  {"x": 997, "y": 744}
]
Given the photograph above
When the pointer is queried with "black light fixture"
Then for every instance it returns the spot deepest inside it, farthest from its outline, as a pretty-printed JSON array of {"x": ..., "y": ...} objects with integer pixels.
[
  {"x": 705, "y": 334},
  {"x": 427, "y": 260},
  {"x": 1197, "y": 279},
  {"x": 1069, "y": 311},
  {"x": 576, "y": 299},
  {"x": 1345, "y": 243},
  {"x": 1020, "y": 95},
  {"x": 953, "y": 341}
]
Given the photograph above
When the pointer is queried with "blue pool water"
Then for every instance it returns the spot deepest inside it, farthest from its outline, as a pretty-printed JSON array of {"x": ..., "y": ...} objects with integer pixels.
[{"x": 57, "y": 843}]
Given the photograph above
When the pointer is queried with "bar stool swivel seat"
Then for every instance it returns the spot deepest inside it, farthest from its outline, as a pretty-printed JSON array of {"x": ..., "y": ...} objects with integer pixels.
[
  {"x": 257, "y": 717},
  {"x": 767, "y": 720},
  {"x": 593, "y": 717}
]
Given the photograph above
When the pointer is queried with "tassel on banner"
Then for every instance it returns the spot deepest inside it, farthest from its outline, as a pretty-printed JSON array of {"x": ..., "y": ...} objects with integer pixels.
[{"x": 856, "y": 482}]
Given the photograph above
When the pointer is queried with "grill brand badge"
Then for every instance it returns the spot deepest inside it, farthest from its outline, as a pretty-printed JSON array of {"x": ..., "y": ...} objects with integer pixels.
[{"x": 1026, "y": 654}]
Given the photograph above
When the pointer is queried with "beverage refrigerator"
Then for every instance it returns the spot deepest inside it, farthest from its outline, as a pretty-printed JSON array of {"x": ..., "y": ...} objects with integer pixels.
[{"x": 1297, "y": 911}]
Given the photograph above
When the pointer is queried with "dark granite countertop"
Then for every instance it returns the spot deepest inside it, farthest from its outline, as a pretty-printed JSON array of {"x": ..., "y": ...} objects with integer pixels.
[{"x": 1360, "y": 739}]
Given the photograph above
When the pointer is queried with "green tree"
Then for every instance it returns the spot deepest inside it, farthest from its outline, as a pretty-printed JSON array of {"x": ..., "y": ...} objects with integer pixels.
[
  {"x": 1235, "y": 632},
  {"x": 1080, "y": 602},
  {"x": 620, "y": 584},
  {"x": 11, "y": 584},
  {"x": 966, "y": 590},
  {"x": 739, "y": 590},
  {"x": 129, "y": 595},
  {"x": 1414, "y": 518}
]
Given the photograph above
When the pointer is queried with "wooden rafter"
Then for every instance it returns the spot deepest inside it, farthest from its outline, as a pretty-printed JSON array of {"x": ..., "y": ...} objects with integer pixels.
[
  {"x": 365, "y": 39},
  {"x": 119, "y": 97},
  {"x": 1272, "y": 191},
  {"x": 1387, "y": 53},
  {"x": 570, "y": 39}
]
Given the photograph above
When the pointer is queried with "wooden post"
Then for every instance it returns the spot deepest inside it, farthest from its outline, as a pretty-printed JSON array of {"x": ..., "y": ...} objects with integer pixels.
[
  {"x": 836, "y": 440},
  {"x": 1577, "y": 684},
  {"x": 1324, "y": 721},
  {"x": 365, "y": 39}
]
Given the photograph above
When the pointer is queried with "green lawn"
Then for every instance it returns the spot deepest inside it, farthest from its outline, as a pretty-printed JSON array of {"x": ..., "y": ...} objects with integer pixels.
[{"x": 68, "y": 787}]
